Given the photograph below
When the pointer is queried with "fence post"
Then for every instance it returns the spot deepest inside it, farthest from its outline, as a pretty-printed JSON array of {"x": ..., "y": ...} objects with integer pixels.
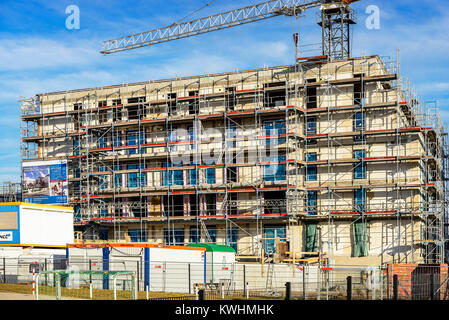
[
  {"x": 244, "y": 280},
  {"x": 349, "y": 288},
  {"x": 201, "y": 294},
  {"x": 288, "y": 290},
  {"x": 90, "y": 269},
  {"x": 304, "y": 283},
  {"x": 222, "y": 290},
  {"x": 318, "y": 296},
  {"x": 190, "y": 280},
  {"x": 432, "y": 286},
  {"x": 138, "y": 275},
  {"x": 34, "y": 283},
  {"x": 164, "y": 275},
  {"x": 4, "y": 270},
  {"x": 395, "y": 287},
  {"x": 45, "y": 269}
]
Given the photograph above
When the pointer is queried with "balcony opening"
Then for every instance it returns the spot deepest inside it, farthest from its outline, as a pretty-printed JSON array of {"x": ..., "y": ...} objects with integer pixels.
[
  {"x": 174, "y": 206},
  {"x": 211, "y": 204},
  {"x": 274, "y": 202},
  {"x": 194, "y": 207},
  {"x": 193, "y": 105},
  {"x": 311, "y": 95},
  {"x": 230, "y": 99},
  {"x": 172, "y": 104},
  {"x": 275, "y": 94}
]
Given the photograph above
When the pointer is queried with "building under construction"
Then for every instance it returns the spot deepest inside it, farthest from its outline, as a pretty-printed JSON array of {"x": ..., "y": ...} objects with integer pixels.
[{"x": 336, "y": 158}]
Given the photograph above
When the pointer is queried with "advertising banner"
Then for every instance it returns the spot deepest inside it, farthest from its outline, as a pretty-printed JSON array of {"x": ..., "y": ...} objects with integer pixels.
[{"x": 45, "y": 182}]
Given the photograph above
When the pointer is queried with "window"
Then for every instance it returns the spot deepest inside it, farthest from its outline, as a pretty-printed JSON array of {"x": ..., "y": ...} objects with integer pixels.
[
  {"x": 102, "y": 117},
  {"x": 275, "y": 171},
  {"x": 172, "y": 137},
  {"x": 312, "y": 203},
  {"x": 132, "y": 177},
  {"x": 210, "y": 175},
  {"x": 359, "y": 200},
  {"x": 192, "y": 137},
  {"x": 77, "y": 172},
  {"x": 360, "y": 167},
  {"x": 104, "y": 234},
  {"x": 76, "y": 146},
  {"x": 174, "y": 236},
  {"x": 102, "y": 142},
  {"x": 103, "y": 103},
  {"x": 104, "y": 210},
  {"x": 271, "y": 232},
  {"x": 312, "y": 170},
  {"x": 143, "y": 178},
  {"x": 359, "y": 121},
  {"x": 178, "y": 177},
  {"x": 170, "y": 177},
  {"x": 103, "y": 182},
  {"x": 117, "y": 139},
  {"x": 232, "y": 238},
  {"x": 212, "y": 231},
  {"x": 136, "y": 138},
  {"x": 274, "y": 128},
  {"x": 167, "y": 175},
  {"x": 117, "y": 115},
  {"x": 117, "y": 177},
  {"x": 137, "y": 235},
  {"x": 311, "y": 125},
  {"x": 193, "y": 176},
  {"x": 194, "y": 235}
]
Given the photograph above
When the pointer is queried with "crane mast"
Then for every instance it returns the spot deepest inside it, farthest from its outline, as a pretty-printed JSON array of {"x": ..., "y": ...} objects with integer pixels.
[{"x": 335, "y": 20}]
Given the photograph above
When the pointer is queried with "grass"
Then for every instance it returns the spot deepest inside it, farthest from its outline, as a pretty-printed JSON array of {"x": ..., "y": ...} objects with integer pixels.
[{"x": 84, "y": 293}]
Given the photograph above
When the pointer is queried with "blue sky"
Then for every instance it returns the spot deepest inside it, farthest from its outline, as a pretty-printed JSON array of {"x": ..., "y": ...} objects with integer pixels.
[{"x": 39, "y": 54}]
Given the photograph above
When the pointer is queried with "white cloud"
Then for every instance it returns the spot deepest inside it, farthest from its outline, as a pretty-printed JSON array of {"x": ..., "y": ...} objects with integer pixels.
[{"x": 36, "y": 53}]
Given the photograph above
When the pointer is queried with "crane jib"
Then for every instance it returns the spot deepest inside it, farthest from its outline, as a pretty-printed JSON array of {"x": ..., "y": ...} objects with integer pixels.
[{"x": 215, "y": 22}]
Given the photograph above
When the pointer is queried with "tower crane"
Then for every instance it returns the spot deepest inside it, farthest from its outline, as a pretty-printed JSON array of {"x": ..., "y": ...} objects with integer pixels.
[{"x": 335, "y": 21}]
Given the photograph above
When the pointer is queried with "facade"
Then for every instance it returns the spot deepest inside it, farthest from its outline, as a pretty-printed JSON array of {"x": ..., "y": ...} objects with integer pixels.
[{"x": 336, "y": 157}]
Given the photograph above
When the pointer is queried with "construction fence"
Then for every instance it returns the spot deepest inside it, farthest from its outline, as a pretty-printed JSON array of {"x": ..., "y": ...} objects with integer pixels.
[{"x": 131, "y": 279}]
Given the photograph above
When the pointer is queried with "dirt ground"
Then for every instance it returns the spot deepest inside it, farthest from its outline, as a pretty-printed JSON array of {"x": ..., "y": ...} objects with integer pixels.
[
  {"x": 16, "y": 296},
  {"x": 23, "y": 296}
]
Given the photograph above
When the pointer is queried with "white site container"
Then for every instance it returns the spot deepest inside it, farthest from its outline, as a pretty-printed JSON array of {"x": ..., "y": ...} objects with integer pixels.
[
  {"x": 27, "y": 224},
  {"x": 220, "y": 262}
]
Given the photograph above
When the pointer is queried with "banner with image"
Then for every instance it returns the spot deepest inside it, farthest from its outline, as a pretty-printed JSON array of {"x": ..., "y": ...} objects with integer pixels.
[{"x": 45, "y": 182}]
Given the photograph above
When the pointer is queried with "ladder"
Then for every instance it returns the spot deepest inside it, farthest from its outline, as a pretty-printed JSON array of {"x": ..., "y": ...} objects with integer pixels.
[{"x": 208, "y": 238}]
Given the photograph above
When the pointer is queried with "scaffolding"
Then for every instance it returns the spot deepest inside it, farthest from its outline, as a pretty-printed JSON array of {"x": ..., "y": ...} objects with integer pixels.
[{"x": 121, "y": 141}]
